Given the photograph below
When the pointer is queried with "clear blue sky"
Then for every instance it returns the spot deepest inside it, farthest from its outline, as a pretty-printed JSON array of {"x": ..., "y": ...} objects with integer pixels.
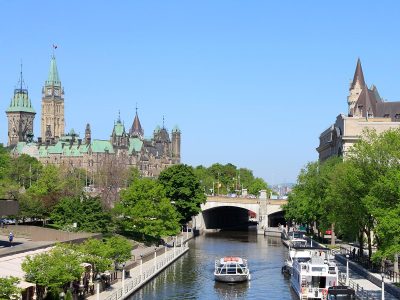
[{"x": 252, "y": 83}]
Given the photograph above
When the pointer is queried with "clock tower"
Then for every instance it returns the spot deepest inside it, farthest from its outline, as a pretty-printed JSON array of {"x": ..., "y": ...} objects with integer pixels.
[
  {"x": 53, "y": 104},
  {"x": 20, "y": 115}
]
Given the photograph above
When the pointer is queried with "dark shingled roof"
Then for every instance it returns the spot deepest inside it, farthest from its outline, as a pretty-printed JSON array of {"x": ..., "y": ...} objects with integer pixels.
[
  {"x": 370, "y": 101},
  {"x": 358, "y": 75},
  {"x": 136, "y": 129}
]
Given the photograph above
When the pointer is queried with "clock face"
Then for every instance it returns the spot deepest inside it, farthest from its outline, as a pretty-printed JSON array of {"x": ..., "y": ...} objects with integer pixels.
[
  {"x": 48, "y": 91},
  {"x": 56, "y": 92}
]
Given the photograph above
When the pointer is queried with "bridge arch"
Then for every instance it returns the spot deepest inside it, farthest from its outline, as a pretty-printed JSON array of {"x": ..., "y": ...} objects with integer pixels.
[{"x": 226, "y": 217}]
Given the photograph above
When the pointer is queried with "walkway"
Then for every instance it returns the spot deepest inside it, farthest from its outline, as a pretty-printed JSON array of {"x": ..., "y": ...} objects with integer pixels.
[
  {"x": 147, "y": 263},
  {"x": 364, "y": 288}
]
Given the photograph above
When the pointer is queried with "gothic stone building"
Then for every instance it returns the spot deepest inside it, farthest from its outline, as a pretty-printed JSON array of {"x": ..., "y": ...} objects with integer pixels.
[
  {"x": 124, "y": 148},
  {"x": 366, "y": 110}
]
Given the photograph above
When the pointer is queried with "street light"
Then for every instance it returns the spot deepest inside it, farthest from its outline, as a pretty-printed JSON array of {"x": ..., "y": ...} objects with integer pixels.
[
  {"x": 383, "y": 285},
  {"x": 62, "y": 295},
  {"x": 98, "y": 279},
  {"x": 347, "y": 270},
  {"x": 123, "y": 278},
  {"x": 141, "y": 267},
  {"x": 155, "y": 259}
]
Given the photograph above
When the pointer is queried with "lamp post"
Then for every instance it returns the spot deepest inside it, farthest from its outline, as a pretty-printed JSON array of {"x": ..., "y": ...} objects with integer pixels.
[
  {"x": 347, "y": 269},
  {"x": 98, "y": 279},
  {"x": 383, "y": 285},
  {"x": 155, "y": 259},
  {"x": 123, "y": 278},
  {"x": 141, "y": 267},
  {"x": 62, "y": 295}
]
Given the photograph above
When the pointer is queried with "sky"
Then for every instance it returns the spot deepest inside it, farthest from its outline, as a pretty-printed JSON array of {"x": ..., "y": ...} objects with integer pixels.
[{"x": 252, "y": 83}]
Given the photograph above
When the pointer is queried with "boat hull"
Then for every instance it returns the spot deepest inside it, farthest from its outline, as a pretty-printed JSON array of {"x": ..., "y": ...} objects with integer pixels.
[{"x": 231, "y": 278}]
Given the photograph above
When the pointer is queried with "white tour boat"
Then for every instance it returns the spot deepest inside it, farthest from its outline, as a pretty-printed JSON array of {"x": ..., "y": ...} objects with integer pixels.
[
  {"x": 312, "y": 278},
  {"x": 231, "y": 269},
  {"x": 301, "y": 253}
]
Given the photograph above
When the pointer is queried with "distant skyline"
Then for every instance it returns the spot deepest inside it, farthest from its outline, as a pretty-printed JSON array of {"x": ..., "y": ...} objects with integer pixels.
[{"x": 248, "y": 83}]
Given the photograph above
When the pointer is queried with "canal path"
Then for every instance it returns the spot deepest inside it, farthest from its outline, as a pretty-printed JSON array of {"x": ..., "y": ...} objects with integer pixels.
[{"x": 191, "y": 276}]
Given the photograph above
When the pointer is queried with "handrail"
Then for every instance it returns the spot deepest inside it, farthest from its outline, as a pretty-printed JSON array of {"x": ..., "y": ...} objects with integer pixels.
[{"x": 130, "y": 285}]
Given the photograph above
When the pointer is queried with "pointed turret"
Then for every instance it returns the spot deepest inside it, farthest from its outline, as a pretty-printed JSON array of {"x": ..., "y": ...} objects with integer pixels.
[
  {"x": 53, "y": 79},
  {"x": 356, "y": 87},
  {"x": 20, "y": 115},
  {"x": 136, "y": 129},
  {"x": 358, "y": 76}
]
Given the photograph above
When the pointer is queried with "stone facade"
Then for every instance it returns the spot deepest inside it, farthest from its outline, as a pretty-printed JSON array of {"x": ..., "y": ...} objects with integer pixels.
[
  {"x": 52, "y": 120},
  {"x": 20, "y": 116},
  {"x": 125, "y": 148},
  {"x": 367, "y": 111}
]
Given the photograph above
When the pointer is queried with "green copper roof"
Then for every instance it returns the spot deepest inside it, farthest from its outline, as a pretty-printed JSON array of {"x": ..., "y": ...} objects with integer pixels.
[
  {"x": 176, "y": 129},
  {"x": 20, "y": 102},
  {"x": 135, "y": 144},
  {"x": 100, "y": 146},
  {"x": 119, "y": 128},
  {"x": 53, "y": 78}
]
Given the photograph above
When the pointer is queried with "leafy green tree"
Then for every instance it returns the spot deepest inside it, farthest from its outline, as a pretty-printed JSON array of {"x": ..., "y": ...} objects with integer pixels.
[
  {"x": 9, "y": 288},
  {"x": 25, "y": 170},
  {"x": 47, "y": 189},
  {"x": 53, "y": 269},
  {"x": 133, "y": 174},
  {"x": 345, "y": 196},
  {"x": 308, "y": 202},
  {"x": 183, "y": 189},
  {"x": 8, "y": 188},
  {"x": 257, "y": 185},
  {"x": 118, "y": 249},
  {"x": 205, "y": 179},
  {"x": 87, "y": 212},
  {"x": 144, "y": 211},
  {"x": 95, "y": 252}
]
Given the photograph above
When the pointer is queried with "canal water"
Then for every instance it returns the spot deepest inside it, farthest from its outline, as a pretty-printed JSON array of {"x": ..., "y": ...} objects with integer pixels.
[{"x": 191, "y": 276}]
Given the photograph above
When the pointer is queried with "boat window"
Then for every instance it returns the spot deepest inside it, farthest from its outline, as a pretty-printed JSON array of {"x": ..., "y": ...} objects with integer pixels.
[
  {"x": 231, "y": 271},
  {"x": 318, "y": 269},
  {"x": 318, "y": 282}
]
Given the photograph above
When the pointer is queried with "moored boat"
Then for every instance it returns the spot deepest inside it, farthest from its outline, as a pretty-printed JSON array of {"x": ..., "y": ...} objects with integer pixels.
[
  {"x": 231, "y": 269},
  {"x": 312, "y": 278}
]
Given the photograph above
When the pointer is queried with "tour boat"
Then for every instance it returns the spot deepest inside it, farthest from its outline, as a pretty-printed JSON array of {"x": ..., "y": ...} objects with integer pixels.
[
  {"x": 300, "y": 253},
  {"x": 231, "y": 269},
  {"x": 311, "y": 278}
]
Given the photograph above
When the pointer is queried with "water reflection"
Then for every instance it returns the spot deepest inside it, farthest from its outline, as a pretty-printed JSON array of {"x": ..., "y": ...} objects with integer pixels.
[{"x": 231, "y": 291}]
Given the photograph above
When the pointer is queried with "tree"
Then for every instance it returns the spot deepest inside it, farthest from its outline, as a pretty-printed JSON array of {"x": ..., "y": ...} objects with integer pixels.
[
  {"x": 25, "y": 170},
  {"x": 9, "y": 288},
  {"x": 118, "y": 249},
  {"x": 87, "y": 212},
  {"x": 145, "y": 212},
  {"x": 95, "y": 252},
  {"x": 308, "y": 202},
  {"x": 53, "y": 269},
  {"x": 257, "y": 185},
  {"x": 47, "y": 189},
  {"x": 183, "y": 189}
]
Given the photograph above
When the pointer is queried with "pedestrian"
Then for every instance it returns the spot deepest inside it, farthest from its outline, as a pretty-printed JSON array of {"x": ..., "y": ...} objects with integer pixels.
[
  {"x": 10, "y": 238},
  {"x": 354, "y": 252}
]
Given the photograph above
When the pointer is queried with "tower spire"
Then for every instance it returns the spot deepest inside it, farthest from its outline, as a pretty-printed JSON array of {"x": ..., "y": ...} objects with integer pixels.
[
  {"x": 54, "y": 78},
  {"x": 358, "y": 76},
  {"x": 136, "y": 129}
]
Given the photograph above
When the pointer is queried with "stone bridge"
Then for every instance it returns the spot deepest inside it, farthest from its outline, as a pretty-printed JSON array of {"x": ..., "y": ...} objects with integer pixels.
[{"x": 223, "y": 212}]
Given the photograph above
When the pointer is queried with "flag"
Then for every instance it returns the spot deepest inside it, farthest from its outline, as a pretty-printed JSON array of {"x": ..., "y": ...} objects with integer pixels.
[{"x": 54, "y": 46}]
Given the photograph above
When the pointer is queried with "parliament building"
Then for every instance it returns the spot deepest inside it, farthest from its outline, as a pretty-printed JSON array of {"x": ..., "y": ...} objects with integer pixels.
[{"x": 125, "y": 148}]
